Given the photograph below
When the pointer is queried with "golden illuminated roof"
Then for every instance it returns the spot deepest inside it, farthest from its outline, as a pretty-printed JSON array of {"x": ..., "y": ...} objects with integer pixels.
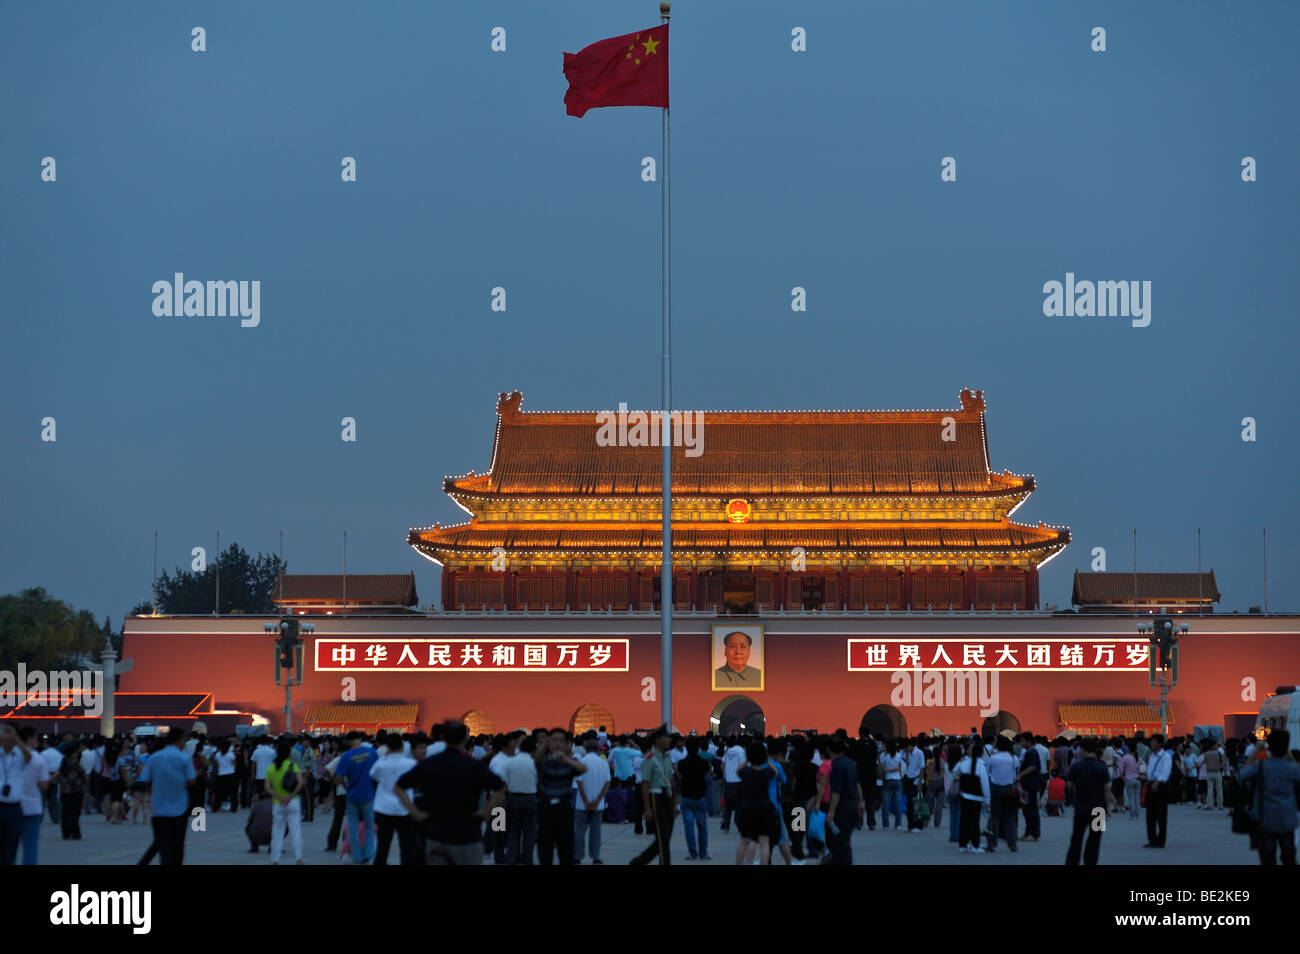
[
  {"x": 861, "y": 486},
  {"x": 747, "y": 453}
]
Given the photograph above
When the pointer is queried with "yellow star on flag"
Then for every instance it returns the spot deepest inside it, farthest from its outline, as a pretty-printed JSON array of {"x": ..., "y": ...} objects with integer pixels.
[{"x": 650, "y": 46}]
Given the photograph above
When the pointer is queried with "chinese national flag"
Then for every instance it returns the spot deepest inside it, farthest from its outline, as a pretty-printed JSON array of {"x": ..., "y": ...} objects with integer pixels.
[{"x": 627, "y": 70}]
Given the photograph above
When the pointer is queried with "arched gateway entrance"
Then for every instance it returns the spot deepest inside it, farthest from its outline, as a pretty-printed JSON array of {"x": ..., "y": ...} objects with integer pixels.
[
  {"x": 736, "y": 715},
  {"x": 998, "y": 723},
  {"x": 884, "y": 722}
]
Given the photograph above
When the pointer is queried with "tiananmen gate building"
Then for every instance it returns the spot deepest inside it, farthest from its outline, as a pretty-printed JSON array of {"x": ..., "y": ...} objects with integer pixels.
[{"x": 830, "y": 568}]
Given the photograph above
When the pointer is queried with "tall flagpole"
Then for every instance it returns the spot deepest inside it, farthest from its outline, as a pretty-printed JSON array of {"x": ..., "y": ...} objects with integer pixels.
[{"x": 666, "y": 436}]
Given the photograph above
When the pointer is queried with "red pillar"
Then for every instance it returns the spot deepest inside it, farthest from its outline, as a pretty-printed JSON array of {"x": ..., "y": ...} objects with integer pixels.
[
  {"x": 448, "y": 589},
  {"x": 907, "y": 587}
]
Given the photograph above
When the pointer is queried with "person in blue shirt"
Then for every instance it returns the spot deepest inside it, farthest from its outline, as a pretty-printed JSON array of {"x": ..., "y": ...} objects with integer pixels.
[
  {"x": 169, "y": 773},
  {"x": 354, "y": 769}
]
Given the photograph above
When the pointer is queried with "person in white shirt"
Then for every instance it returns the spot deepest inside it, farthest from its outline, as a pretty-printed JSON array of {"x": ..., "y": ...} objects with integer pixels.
[
  {"x": 891, "y": 763},
  {"x": 521, "y": 798},
  {"x": 1159, "y": 766},
  {"x": 1003, "y": 772},
  {"x": 1045, "y": 761},
  {"x": 35, "y": 779},
  {"x": 14, "y": 759},
  {"x": 90, "y": 805},
  {"x": 390, "y": 814},
  {"x": 262, "y": 756},
  {"x": 913, "y": 766},
  {"x": 733, "y": 760},
  {"x": 972, "y": 779},
  {"x": 53, "y": 762},
  {"x": 225, "y": 759},
  {"x": 678, "y": 752},
  {"x": 340, "y": 787},
  {"x": 590, "y": 804}
]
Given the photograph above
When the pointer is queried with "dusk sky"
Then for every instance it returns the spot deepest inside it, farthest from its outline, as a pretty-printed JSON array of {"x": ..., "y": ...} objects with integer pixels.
[{"x": 818, "y": 169}]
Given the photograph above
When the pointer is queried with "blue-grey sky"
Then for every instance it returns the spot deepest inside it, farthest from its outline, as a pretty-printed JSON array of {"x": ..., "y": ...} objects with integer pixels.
[{"x": 817, "y": 169}]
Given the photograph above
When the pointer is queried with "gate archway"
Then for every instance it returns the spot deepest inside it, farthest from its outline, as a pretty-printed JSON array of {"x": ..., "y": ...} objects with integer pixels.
[
  {"x": 998, "y": 723},
  {"x": 738, "y": 715},
  {"x": 884, "y": 722},
  {"x": 478, "y": 722},
  {"x": 590, "y": 717}
]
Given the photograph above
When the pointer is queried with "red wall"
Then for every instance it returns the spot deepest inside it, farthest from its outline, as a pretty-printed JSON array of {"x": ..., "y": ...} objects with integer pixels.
[{"x": 807, "y": 681}]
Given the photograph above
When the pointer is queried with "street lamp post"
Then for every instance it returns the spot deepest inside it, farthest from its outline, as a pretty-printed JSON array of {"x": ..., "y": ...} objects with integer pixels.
[
  {"x": 1162, "y": 660},
  {"x": 288, "y": 659}
]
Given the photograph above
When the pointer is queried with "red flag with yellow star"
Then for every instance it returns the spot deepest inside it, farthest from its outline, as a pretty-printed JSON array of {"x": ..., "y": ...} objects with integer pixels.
[{"x": 629, "y": 70}]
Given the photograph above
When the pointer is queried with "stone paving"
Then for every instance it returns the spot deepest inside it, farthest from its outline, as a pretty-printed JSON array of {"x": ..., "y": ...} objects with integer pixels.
[{"x": 1196, "y": 837}]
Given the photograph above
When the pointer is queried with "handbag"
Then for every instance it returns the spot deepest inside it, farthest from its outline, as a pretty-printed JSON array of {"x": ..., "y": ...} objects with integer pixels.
[{"x": 817, "y": 826}]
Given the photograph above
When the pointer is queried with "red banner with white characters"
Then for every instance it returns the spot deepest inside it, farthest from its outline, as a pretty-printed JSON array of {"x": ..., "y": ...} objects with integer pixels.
[
  {"x": 1015, "y": 655},
  {"x": 384, "y": 654}
]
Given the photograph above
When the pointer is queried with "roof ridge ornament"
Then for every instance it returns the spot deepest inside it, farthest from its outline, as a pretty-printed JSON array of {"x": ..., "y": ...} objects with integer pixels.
[
  {"x": 508, "y": 404},
  {"x": 972, "y": 401}
]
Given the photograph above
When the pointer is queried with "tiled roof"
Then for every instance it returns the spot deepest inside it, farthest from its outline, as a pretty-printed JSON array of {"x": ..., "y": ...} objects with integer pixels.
[
  {"x": 739, "y": 538},
  {"x": 360, "y": 714},
  {"x": 1151, "y": 588},
  {"x": 390, "y": 589},
  {"x": 749, "y": 453},
  {"x": 1118, "y": 715}
]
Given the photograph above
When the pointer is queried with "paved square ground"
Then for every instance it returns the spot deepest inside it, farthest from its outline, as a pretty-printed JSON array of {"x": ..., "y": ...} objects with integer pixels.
[{"x": 1195, "y": 838}]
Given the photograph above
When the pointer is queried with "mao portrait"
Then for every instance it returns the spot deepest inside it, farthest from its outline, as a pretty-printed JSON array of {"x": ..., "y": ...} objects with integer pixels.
[{"x": 738, "y": 658}]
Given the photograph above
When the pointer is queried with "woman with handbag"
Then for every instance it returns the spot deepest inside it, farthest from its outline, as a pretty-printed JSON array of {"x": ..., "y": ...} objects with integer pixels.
[
  {"x": 973, "y": 784},
  {"x": 284, "y": 781}
]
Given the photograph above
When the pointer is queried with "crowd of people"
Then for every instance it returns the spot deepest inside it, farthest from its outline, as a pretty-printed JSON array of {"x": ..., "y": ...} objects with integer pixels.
[{"x": 543, "y": 796}]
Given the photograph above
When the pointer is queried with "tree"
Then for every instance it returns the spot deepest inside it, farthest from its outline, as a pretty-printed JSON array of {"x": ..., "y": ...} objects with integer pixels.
[
  {"x": 247, "y": 584},
  {"x": 44, "y": 633}
]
